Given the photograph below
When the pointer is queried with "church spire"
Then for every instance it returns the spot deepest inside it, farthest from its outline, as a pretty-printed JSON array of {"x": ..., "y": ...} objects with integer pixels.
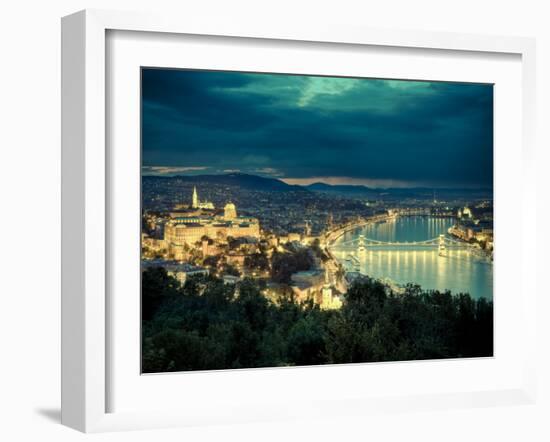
[{"x": 195, "y": 203}]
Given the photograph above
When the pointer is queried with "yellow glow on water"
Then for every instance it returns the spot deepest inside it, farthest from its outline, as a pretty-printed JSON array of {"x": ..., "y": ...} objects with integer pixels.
[
  {"x": 459, "y": 270},
  {"x": 441, "y": 269}
]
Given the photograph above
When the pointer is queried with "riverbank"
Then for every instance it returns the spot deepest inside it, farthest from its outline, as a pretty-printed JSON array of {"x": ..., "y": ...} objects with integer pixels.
[{"x": 461, "y": 271}]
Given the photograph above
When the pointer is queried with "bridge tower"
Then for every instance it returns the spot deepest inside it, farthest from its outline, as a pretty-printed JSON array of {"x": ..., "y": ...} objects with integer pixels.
[
  {"x": 195, "y": 203},
  {"x": 361, "y": 247},
  {"x": 441, "y": 246}
]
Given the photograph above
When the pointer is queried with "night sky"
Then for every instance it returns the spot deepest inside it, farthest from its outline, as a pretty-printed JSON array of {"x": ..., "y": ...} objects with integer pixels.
[{"x": 304, "y": 129}]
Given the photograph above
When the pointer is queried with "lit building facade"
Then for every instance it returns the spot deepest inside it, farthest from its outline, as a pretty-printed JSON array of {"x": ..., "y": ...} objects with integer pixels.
[
  {"x": 196, "y": 203},
  {"x": 186, "y": 231},
  {"x": 230, "y": 212},
  {"x": 315, "y": 285},
  {"x": 328, "y": 299}
]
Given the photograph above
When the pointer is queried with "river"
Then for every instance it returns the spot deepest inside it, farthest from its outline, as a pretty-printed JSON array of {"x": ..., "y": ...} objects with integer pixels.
[{"x": 459, "y": 271}]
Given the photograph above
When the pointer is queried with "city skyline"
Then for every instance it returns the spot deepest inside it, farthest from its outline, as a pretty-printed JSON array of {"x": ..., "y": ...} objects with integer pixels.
[
  {"x": 246, "y": 262},
  {"x": 306, "y": 129}
]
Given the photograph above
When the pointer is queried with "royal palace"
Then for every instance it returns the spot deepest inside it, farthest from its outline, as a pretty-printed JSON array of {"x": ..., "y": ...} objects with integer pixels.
[{"x": 181, "y": 232}]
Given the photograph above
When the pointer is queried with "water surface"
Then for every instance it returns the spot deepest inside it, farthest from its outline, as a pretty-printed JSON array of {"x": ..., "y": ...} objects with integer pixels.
[{"x": 458, "y": 271}]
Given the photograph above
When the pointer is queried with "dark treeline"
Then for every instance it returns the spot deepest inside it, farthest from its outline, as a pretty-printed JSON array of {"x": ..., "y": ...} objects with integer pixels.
[{"x": 206, "y": 325}]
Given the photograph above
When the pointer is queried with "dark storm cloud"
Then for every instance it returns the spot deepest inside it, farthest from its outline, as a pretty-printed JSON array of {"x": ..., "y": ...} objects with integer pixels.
[{"x": 300, "y": 128}]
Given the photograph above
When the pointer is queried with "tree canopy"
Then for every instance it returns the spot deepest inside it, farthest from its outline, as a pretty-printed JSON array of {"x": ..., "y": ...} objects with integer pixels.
[{"x": 209, "y": 325}]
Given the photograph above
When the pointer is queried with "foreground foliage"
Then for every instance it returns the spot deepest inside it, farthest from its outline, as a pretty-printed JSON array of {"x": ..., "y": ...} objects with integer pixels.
[{"x": 207, "y": 325}]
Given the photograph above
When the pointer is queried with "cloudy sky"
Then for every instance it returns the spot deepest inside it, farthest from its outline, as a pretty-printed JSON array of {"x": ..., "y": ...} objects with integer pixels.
[{"x": 304, "y": 129}]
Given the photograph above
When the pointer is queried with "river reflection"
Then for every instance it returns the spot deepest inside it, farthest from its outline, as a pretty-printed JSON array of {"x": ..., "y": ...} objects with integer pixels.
[{"x": 458, "y": 271}]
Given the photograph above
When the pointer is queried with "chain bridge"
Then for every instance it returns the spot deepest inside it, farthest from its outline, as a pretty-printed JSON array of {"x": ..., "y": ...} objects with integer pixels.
[{"x": 361, "y": 244}]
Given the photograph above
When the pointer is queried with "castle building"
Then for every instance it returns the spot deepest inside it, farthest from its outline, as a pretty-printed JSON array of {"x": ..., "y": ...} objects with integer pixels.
[
  {"x": 183, "y": 232},
  {"x": 230, "y": 211}
]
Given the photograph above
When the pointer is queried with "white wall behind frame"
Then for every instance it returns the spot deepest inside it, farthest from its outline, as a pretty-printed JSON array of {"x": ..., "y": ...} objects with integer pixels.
[{"x": 29, "y": 90}]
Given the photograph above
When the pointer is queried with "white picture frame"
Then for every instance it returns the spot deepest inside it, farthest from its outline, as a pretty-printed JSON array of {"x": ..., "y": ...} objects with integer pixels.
[{"x": 85, "y": 202}]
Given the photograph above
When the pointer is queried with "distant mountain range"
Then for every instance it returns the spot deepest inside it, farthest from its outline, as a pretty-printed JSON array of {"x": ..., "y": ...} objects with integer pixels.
[
  {"x": 255, "y": 182},
  {"x": 243, "y": 180},
  {"x": 396, "y": 192},
  {"x": 342, "y": 188}
]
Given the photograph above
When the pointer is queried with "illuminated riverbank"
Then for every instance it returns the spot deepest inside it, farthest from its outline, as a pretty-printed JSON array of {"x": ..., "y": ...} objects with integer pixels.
[{"x": 458, "y": 270}]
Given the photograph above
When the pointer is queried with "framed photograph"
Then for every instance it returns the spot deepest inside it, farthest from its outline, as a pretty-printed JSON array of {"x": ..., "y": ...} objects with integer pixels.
[{"x": 267, "y": 223}]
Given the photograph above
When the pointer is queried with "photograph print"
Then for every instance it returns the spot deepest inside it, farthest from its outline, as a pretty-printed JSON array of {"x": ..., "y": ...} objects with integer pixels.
[{"x": 299, "y": 220}]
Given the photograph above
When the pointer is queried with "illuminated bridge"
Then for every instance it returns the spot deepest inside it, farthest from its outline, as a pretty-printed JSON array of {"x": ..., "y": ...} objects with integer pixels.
[{"x": 362, "y": 244}]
